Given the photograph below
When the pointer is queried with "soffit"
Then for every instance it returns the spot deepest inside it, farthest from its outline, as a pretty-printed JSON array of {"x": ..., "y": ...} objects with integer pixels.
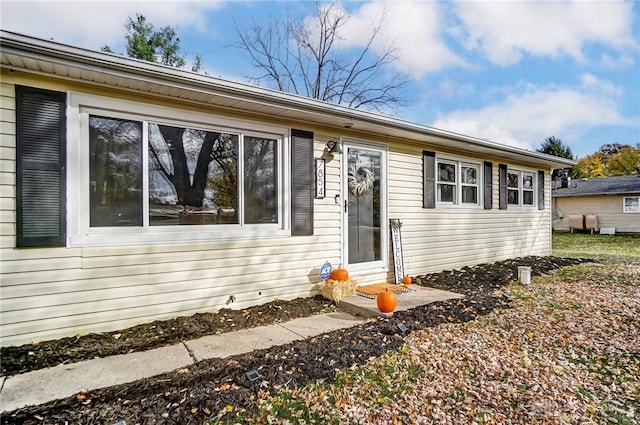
[{"x": 53, "y": 59}]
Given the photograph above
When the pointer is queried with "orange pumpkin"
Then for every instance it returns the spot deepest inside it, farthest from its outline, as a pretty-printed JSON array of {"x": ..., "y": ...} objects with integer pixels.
[
  {"x": 339, "y": 274},
  {"x": 407, "y": 280},
  {"x": 386, "y": 301}
]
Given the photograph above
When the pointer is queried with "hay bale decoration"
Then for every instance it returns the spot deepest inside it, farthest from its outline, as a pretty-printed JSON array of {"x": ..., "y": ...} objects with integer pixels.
[{"x": 336, "y": 284}]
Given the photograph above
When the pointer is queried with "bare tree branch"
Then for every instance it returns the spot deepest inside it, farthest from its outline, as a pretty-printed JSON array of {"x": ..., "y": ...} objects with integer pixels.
[{"x": 304, "y": 57}]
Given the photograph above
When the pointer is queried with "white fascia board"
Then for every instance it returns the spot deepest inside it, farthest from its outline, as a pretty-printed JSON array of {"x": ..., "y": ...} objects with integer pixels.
[{"x": 323, "y": 113}]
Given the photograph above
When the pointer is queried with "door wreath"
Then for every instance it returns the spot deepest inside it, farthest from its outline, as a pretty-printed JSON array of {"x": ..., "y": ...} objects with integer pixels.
[{"x": 360, "y": 177}]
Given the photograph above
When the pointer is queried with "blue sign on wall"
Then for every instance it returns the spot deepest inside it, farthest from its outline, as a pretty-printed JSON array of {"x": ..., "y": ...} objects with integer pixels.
[{"x": 325, "y": 270}]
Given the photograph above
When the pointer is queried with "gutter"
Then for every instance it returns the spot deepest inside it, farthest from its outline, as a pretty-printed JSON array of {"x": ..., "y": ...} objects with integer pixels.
[{"x": 101, "y": 62}]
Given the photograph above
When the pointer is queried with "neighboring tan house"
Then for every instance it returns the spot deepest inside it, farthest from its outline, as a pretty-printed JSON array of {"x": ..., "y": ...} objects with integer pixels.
[
  {"x": 614, "y": 201},
  {"x": 131, "y": 191}
]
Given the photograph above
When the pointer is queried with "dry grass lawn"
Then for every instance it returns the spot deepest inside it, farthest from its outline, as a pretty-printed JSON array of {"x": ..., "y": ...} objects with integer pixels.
[{"x": 567, "y": 351}]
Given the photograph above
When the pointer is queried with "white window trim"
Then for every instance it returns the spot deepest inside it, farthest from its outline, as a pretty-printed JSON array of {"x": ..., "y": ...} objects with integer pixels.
[
  {"x": 521, "y": 173},
  {"x": 79, "y": 232},
  {"x": 624, "y": 205},
  {"x": 459, "y": 162}
]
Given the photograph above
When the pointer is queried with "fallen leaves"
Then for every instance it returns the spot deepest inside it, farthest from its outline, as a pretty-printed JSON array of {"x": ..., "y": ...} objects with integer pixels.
[
  {"x": 41, "y": 354},
  {"x": 83, "y": 398},
  {"x": 566, "y": 351},
  {"x": 562, "y": 348}
]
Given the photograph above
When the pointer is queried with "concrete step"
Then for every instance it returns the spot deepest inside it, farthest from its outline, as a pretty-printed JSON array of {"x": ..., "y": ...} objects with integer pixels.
[{"x": 416, "y": 296}]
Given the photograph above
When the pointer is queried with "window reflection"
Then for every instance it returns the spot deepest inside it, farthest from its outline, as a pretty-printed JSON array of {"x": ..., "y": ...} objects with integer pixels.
[
  {"x": 192, "y": 175},
  {"x": 446, "y": 182},
  {"x": 260, "y": 195},
  {"x": 115, "y": 172},
  {"x": 364, "y": 205}
]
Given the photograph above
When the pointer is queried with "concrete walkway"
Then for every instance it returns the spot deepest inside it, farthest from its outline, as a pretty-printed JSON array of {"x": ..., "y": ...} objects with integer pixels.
[
  {"x": 62, "y": 381},
  {"x": 41, "y": 386}
]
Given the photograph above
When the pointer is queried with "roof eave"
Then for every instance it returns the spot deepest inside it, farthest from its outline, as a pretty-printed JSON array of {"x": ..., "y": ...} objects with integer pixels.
[
  {"x": 252, "y": 97},
  {"x": 613, "y": 193}
]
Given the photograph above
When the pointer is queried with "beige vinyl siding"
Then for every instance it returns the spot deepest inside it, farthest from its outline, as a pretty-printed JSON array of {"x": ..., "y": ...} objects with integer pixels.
[
  {"x": 64, "y": 291},
  {"x": 456, "y": 236},
  {"x": 608, "y": 208},
  {"x": 55, "y": 292},
  {"x": 450, "y": 237},
  {"x": 114, "y": 287}
]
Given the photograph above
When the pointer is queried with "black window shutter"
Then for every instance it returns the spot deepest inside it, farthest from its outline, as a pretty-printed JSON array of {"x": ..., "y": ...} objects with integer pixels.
[
  {"x": 488, "y": 185},
  {"x": 40, "y": 167},
  {"x": 301, "y": 183},
  {"x": 429, "y": 179},
  {"x": 502, "y": 179},
  {"x": 540, "y": 190}
]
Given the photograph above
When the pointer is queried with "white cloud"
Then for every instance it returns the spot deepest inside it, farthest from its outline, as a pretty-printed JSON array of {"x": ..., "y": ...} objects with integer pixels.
[
  {"x": 92, "y": 23},
  {"x": 596, "y": 85},
  {"x": 505, "y": 31},
  {"x": 529, "y": 114},
  {"x": 413, "y": 27},
  {"x": 622, "y": 61}
]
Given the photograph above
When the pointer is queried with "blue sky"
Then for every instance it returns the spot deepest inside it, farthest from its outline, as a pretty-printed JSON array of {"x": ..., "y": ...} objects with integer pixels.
[{"x": 511, "y": 72}]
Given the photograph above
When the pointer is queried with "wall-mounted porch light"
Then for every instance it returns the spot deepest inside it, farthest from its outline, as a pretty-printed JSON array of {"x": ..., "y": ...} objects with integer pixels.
[{"x": 333, "y": 146}]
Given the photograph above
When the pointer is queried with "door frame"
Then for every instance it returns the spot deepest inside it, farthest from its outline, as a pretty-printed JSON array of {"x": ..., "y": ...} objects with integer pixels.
[{"x": 381, "y": 265}]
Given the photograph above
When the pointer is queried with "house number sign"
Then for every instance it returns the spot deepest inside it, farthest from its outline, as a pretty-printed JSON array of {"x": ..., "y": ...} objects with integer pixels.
[
  {"x": 396, "y": 243},
  {"x": 320, "y": 186}
]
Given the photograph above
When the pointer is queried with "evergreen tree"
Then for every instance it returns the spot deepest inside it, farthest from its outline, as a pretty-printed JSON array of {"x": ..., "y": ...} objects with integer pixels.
[
  {"x": 163, "y": 46},
  {"x": 554, "y": 146}
]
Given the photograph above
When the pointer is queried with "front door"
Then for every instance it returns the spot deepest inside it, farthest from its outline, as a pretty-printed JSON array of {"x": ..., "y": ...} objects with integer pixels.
[{"x": 364, "y": 208}]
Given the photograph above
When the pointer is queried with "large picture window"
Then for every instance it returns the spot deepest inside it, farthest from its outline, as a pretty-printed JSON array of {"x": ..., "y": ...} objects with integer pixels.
[
  {"x": 458, "y": 182},
  {"x": 192, "y": 174},
  {"x": 142, "y": 173}
]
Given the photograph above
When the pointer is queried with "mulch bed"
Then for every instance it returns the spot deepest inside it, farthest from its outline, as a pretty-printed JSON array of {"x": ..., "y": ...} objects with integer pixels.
[
  {"x": 194, "y": 395},
  {"x": 156, "y": 334}
]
